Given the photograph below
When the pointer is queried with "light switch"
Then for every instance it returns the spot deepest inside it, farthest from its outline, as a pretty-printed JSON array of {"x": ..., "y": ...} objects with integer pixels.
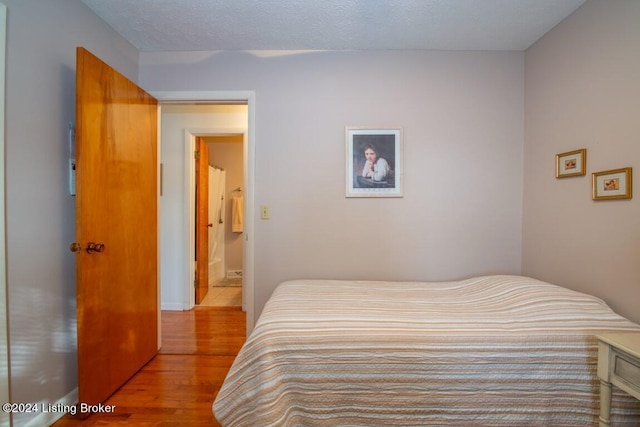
[{"x": 264, "y": 212}]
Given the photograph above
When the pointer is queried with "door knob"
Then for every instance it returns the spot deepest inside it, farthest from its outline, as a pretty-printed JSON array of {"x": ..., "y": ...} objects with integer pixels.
[
  {"x": 75, "y": 247},
  {"x": 95, "y": 247}
]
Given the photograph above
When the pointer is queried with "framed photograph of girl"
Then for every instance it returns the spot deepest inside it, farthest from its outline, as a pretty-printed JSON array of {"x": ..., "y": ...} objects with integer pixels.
[{"x": 373, "y": 162}]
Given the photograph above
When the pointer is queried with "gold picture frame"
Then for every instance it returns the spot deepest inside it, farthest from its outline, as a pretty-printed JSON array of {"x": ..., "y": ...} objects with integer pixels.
[
  {"x": 612, "y": 184},
  {"x": 571, "y": 163}
]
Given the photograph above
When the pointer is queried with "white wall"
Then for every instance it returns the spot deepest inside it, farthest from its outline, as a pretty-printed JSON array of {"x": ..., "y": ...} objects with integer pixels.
[
  {"x": 175, "y": 119},
  {"x": 583, "y": 91},
  {"x": 40, "y": 214},
  {"x": 462, "y": 115}
]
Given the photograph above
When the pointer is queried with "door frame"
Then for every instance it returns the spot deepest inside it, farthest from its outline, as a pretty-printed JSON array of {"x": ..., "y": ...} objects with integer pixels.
[{"x": 219, "y": 97}]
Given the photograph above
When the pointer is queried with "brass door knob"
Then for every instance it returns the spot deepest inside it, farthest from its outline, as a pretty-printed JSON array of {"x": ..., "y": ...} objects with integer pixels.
[
  {"x": 75, "y": 247},
  {"x": 95, "y": 247}
]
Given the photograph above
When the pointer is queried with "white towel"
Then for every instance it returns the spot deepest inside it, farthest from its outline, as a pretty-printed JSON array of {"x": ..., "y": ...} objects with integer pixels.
[{"x": 236, "y": 214}]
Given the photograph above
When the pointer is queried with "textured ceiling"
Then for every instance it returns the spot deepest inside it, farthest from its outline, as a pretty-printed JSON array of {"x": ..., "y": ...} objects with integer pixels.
[{"x": 188, "y": 25}]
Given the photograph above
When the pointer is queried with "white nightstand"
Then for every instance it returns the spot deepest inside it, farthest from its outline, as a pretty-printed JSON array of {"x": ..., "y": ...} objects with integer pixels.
[{"x": 618, "y": 364}]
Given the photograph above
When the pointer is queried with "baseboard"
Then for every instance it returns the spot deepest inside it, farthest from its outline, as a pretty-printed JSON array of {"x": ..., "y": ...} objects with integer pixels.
[
  {"x": 232, "y": 274},
  {"x": 50, "y": 413},
  {"x": 172, "y": 306}
]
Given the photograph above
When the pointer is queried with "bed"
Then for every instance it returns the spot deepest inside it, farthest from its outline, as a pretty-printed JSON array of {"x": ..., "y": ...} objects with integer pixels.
[{"x": 486, "y": 351}]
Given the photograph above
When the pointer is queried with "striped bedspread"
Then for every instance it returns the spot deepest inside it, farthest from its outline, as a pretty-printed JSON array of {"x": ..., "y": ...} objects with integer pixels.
[{"x": 487, "y": 351}]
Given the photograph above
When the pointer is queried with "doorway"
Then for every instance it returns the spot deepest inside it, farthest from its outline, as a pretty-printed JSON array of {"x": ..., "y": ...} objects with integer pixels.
[
  {"x": 177, "y": 201},
  {"x": 225, "y": 220}
]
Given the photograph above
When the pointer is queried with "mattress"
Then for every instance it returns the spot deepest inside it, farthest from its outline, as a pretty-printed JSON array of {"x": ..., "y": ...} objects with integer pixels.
[{"x": 486, "y": 351}]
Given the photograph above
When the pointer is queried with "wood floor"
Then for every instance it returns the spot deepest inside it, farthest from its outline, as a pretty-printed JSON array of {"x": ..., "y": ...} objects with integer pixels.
[{"x": 178, "y": 386}]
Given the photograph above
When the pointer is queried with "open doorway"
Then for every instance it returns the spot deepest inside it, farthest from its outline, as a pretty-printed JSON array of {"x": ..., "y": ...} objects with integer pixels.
[
  {"x": 219, "y": 191},
  {"x": 194, "y": 112}
]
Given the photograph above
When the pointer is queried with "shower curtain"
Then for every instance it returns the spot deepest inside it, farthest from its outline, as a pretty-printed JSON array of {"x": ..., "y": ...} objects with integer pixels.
[{"x": 216, "y": 218}]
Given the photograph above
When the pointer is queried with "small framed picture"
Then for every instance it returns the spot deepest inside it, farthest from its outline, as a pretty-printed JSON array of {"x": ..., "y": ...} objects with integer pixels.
[
  {"x": 613, "y": 184},
  {"x": 373, "y": 162},
  {"x": 572, "y": 163}
]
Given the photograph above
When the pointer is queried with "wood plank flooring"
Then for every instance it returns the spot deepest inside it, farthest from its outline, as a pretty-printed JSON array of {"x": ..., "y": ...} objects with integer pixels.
[{"x": 178, "y": 386}]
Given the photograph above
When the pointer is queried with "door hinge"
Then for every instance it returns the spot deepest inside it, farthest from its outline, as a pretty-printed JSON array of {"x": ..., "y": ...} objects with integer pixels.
[
  {"x": 196, "y": 155},
  {"x": 195, "y": 283}
]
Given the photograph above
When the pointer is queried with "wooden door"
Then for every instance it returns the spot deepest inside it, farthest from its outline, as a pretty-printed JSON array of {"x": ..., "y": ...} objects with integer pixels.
[
  {"x": 116, "y": 211},
  {"x": 202, "y": 220}
]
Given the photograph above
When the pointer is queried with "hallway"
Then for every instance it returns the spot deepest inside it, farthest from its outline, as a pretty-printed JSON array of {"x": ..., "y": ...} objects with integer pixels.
[{"x": 178, "y": 386}]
